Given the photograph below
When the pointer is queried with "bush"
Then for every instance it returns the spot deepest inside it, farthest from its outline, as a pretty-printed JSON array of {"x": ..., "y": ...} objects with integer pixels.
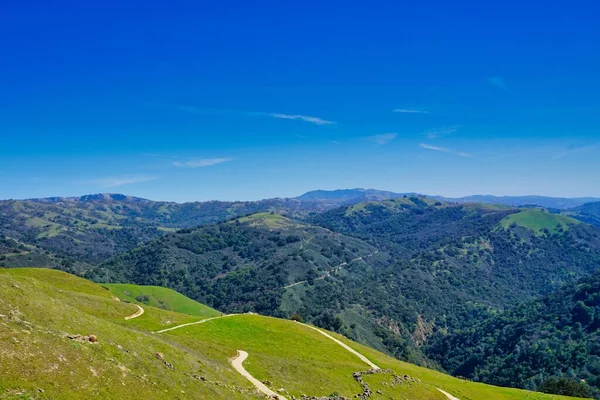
[{"x": 566, "y": 387}]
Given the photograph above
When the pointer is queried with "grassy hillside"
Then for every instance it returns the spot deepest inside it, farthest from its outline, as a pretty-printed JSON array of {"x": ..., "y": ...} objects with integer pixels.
[
  {"x": 539, "y": 220},
  {"x": 40, "y": 356},
  {"x": 160, "y": 297},
  {"x": 388, "y": 274}
]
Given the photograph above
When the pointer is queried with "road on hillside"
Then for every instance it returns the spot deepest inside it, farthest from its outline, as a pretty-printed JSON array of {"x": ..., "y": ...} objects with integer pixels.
[
  {"x": 237, "y": 365},
  {"x": 333, "y": 269},
  {"x": 136, "y": 314}
]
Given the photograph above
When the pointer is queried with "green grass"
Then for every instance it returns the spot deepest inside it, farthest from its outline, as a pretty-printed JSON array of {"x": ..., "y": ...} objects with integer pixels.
[
  {"x": 537, "y": 220},
  {"x": 160, "y": 297},
  {"x": 37, "y": 360},
  {"x": 269, "y": 220},
  {"x": 40, "y": 307}
]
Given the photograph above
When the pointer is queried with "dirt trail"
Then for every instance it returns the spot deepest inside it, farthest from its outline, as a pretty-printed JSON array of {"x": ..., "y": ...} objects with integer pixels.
[
  {"x": 448, "y": 395},
  {"x": 242, "y": 355},
  {"x": 334, "y": 269},
  {"x": 344, "y": 345},
  {"x": 237, "y": 365},
  {"x": 194, "y": 323},
  {"x": 136, "y": 314}
]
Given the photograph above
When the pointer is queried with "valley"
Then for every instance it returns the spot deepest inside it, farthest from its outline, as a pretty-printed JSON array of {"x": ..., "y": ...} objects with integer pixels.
[{"x": 408, "y": 276}]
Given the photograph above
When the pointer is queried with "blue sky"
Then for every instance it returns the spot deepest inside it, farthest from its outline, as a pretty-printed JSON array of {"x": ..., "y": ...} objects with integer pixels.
[{"x": 234, "y": 100}]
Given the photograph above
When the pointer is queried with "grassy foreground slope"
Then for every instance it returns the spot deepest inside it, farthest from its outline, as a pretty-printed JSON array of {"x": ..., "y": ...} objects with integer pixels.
[{"x": 42, "y": 310}]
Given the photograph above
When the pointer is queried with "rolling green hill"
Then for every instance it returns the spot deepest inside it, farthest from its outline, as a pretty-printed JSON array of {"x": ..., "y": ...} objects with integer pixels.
[
  {"x": 160, "y": 297},
  {"x": 539, "y": 220},
  {"x": 89, "y": 229},
  {"x": 387, "y": 274},
  {"x": 62, "y": 337}
]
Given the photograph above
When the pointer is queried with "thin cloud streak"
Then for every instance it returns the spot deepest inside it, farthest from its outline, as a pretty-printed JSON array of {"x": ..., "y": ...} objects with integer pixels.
[
  {"x": 205, "y": 162},
  {"x": 204, "y": 111},
  {"x": 441, "y": 132},
  {"x": 305, "y": 118},
  {"x": 410, "y": 111},
  {"x": 383, "y": 138},
  {"x": 120, "y": 180},
  {"x": 498, "y": 81},
  {"x": 444, "y": 150}
]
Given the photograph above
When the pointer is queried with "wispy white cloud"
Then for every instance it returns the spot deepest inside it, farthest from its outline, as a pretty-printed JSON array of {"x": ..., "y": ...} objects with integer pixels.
[
  {"x": 301, "y": 137},
  {"x": 206, "y": 111},
  {"x": 410, "y": 111},
  {"x": 115, "y": 181},
  {"x": 382, "y": 138},
  {"x": 305, "y": 118},
  {"x": 498, "y": 81},
  {"x": 440, "y": 132},
  {"x": 204, "y": 162},
  {"x": 444, "y": 150},
  {"x": 336, "y": 143}
]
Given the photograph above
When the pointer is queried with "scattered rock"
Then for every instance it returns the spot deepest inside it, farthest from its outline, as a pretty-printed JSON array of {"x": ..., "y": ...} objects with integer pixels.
[
  {"x": 159, "y": 356},
  {"x": 200, "y": 378},
  {"x": 83, "y": 339}
]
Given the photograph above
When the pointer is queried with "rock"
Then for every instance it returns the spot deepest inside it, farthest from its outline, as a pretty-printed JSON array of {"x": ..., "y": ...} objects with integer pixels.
[
  {"x": 159, "y": 356},
  {"x": 92, "y": 338}
]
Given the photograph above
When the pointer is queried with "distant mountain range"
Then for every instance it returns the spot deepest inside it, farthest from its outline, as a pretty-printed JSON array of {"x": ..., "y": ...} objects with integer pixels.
[{"x": 348, "y": 196}]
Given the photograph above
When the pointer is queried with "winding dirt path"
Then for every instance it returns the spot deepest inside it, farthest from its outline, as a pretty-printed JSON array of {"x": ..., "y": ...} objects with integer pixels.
[
  {"x": 333, "y": 269},
  {"x": 194, "y": 323},
  {"x": 136, "y": 314},
  {"x": 237, "y": 361}
]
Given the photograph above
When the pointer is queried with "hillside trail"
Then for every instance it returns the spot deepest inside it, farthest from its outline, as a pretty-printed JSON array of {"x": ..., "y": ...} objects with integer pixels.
[
  {"x": 136, "y": 314},
  {"x": 344, "y": 345},
  {"x": 195, "y": 323},
  {"x": 242, "y": 355},
  {"x": 333, "y": 269},
  {"x": 237, "y": 361},
  {"x": 448, "y": 395}
]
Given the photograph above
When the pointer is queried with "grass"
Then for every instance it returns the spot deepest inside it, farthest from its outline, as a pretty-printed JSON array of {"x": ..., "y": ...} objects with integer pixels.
[
  {"x": 37, "y": 360},
  {"x": 537, "y": 220},
  {"x": 160, "y": 297},
  {"x": 285, "y": 353},
  {"x": 270, "y": 220},
  {"x": 40, "y": 307}
]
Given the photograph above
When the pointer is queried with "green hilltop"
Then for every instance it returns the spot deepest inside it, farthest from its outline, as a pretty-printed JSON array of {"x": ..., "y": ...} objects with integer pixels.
[
  {"x": 539, "y": 220},
  {"x": 62, "y": 337}
]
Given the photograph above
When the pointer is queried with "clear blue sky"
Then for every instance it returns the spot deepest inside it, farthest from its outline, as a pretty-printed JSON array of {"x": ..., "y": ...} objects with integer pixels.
[{"x": 246, "y": 100}]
